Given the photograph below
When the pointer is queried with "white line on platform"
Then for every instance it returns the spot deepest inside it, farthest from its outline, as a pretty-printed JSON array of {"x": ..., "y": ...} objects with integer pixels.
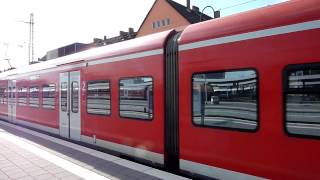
[
  {"x": 67, "y": 165},
  {"x": 132, "y": 165}
]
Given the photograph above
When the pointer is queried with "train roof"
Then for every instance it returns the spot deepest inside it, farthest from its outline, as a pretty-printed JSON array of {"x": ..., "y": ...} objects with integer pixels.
[
  {"x": 146, "y": 43},
  {"x": 286, "y": 13}
]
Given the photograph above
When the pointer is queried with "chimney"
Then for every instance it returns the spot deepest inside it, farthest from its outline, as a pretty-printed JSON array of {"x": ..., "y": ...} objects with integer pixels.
[
  {"x": 131, "y": 30},
  {"x": 188, "y": 4},
  {"x": 195, "y": 8}
]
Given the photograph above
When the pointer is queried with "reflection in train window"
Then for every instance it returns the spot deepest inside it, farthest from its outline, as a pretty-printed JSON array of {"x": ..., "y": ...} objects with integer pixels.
[
  {"x": 75, "y": 97},
  {"x": 48, "y": 96},
  {"x": 34, "y": 96},
  {"x": 3, "y": 95},
  {"x": 226, "y": 99},
  {"x": 302, "y": 100},
  {"x": 22, "y": 96},
  {"x": 64, "y": 97},
  {"x": 98, "y": 97},
  {"x": 136, "y": 98}
]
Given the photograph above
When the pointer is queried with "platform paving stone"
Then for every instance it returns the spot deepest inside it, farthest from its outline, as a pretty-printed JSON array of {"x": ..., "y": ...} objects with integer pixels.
[{"x": 18, "y": 163}]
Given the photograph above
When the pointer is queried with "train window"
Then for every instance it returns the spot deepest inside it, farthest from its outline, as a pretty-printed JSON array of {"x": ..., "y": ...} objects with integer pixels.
[
  {"x": 99, "y": 97},
  {"x": 22, "y": 96},
  {"x": 75, "y": 97},
  {"x": 136, "y": 98},
  {"x": 3, "y": 96},
  {"x": 64, "y": 96},
  {"x": 48, "y": 96},
  {"x": 34, "y": 96},
  {"x": 12, "y": 94},
  {"x": 302, "y": 99},
  {"x": 225, "y": 99}
]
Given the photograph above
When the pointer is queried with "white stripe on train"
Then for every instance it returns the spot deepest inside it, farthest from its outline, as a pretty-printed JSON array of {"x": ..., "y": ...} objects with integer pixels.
[
  {"x": 214, "y": 172},
  {"x": 253, "y": 35}
]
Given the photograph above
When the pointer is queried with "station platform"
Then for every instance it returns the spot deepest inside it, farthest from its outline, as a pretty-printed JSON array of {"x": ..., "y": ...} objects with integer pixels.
[{"x": 26, "y": 154}]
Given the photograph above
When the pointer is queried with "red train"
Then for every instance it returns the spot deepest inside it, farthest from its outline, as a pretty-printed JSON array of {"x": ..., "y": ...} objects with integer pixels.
[{"x": 235, "y": 97}]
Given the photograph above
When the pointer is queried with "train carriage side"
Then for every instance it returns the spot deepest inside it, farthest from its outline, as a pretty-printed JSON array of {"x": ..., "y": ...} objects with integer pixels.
[
  {"x": 249, "y": 94},
  {"x": 110, "y": 97},
  {"x": 3, "y": 99},
  {"x": 123, "y": 105},
  {"x": 37, "y": 101}
]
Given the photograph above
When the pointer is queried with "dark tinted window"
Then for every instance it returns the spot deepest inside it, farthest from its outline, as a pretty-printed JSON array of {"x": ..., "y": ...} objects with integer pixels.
[
  {"x": 136, "y": 98},
  {"x": 34, "y": 96},
  {"x": 302, "y": 100},
  {"x": 12, "y": 94},
  {"x": 75, "y": 97},
  {"x": 98, "y": 97},
  {"x": 64, "y": 96},
  {"x": 225, "y": 99},
  {"x": 48, "y": 96},
  {"x": 22, "y": 96},
  {"x": 3, "y": 95}
]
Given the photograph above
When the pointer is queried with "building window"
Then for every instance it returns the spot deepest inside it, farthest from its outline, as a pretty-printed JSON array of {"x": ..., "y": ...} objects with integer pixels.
[
  {"x": 225, "y": 99},
  {"x": 64, "y": 97},
  {"x": 154, "y": 25},
  {"x": 48, "y": 96},
  {"x": 168, "y": 21},
  {"x": 22, "y": 96},
  {"x": 302, "y": 99},
  {"x": 158, "y": 24},
  {"x": 99, "y": 97},
  {"x": 34, "y": 96},
  {"x": 163, "y": 22},
  {"x": 3, "y": 96},
  {"x": 136, "y": 98}
]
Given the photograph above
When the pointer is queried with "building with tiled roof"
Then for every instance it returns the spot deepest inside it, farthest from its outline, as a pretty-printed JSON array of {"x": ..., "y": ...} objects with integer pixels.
[{"x": 168, "y": 14}]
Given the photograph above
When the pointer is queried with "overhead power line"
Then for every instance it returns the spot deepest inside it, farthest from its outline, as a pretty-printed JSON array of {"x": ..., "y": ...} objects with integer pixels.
[{"x": 240, "y": 4}]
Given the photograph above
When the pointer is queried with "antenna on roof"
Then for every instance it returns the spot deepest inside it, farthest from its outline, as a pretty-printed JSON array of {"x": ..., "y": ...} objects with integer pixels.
[
  {"x": 5, "y": 56},
  {"x": 216, "y": 14}
]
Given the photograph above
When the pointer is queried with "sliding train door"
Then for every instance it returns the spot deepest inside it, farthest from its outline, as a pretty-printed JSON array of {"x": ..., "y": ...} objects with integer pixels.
[
  {"x": 70, "y": 121},
  {"x": 12, "y": 101}
]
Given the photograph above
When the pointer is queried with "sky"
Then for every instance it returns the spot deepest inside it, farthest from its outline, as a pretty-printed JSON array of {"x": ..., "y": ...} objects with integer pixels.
[{"x": 62, "y": 22}]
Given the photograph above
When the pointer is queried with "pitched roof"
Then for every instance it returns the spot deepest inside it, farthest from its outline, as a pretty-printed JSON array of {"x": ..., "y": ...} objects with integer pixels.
[{"x": 190, "y": 15}]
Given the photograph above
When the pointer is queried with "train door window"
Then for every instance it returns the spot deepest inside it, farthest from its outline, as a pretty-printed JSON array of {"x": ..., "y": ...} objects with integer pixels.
[
  {"x": 34, "y": 97},
  {"x": 13, "y": 93},
  {"x": 48, "y": 96},
  {"x": 302, "y": 100},
  {"x": 64, "y": 96},
  {"x": 75, "y": 97},
  {"x": 136, "y": 98},
  {"x": 3, "y": 96},
  {"x": 99, "y": 97},
  {"x": 225, "y": 99},
  {"x": 22, "y": 96}
]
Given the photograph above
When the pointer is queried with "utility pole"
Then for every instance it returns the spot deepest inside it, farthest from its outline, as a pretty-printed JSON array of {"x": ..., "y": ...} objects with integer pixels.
[{"x": 31, "y": 39}]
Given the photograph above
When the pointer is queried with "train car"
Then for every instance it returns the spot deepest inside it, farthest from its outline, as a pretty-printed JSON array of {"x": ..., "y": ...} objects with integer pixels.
[
  {"x": 76, "y": 97},
  {"x": 267, "y": 121},
  {"x": 231, "y": 98}
]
